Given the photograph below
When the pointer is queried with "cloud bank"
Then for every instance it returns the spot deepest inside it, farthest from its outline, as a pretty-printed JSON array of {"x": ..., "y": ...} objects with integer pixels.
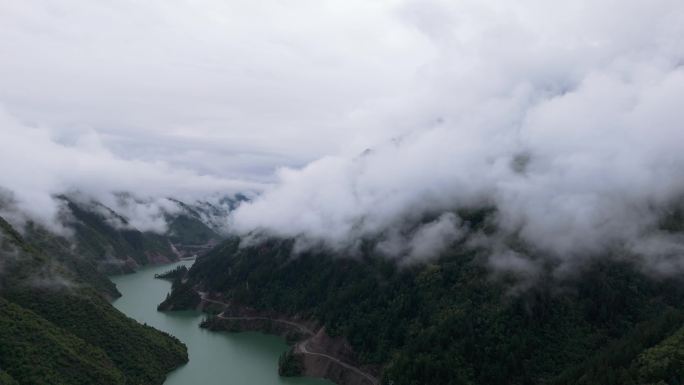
[
  {"x": 381, "y": 119},
  {"x": 179, "y": 98},
  {"x": 229, "y": 88},
  {"x": 36, "y": 169},
  {"x": 566, "y": 118}
]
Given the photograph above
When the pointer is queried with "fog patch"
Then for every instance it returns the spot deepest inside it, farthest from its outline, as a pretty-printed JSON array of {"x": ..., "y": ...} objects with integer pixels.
[
  {"x": 38, "y": 168},
  {"x": 53, "y": 282},
  {"x": 424, "y": 243},
  {"x": 568, "y": 124}
]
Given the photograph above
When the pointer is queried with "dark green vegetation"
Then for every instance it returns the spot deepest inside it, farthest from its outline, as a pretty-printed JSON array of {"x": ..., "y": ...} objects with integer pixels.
[
  {"x": 182, "y": 297},
  {"x": 36, "y": 351},
  {"x": 645, "y": 353},
  {"x": 57, "y": 328},
  {"x": 98, "y": 238},
  {"x": 290, "y": 364},
  {"x": 6, "y": 379},
  {"x": 191, "y": 226},
  {"x": 102, "y": 241},
  {"x": 451, "y": 322},
  {"x": 174, "y": 274},
  {"x": 196, "y": 227}
]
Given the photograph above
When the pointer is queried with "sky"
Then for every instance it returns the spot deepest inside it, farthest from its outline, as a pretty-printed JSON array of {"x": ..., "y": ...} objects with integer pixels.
[
  {"x": 232, "y": 88},
  {"x": 190, "y": 97},
  {"x": 352, "y": 119}
]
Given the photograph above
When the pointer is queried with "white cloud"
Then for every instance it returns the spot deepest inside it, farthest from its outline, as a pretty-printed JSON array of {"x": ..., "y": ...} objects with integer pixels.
[
  {"x": 589, "y": 101},
  {"x": 232, "y": 88},
  {"x": 36, "y": 169},
  {"x": 565, "y": 116}
]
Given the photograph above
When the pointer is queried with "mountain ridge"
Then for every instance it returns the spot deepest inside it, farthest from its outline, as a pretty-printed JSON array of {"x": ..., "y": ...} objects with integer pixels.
[
  {"x": 451, "y": 322},
  {"x": 57, "y": 327}
]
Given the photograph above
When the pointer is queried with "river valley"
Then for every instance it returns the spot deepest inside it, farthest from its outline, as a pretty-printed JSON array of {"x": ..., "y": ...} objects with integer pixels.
[{"x": 215, "y": 358}]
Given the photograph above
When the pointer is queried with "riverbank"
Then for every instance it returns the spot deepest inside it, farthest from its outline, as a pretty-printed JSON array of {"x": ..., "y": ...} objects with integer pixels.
[
  {"x": 215, "y": 358},
  {"x": 319, "y": 354}
]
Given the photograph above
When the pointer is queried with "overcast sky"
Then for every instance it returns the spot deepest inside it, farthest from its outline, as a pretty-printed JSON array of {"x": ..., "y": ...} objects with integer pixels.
[
  {"x": 224, "y": 87},
  {"x": 101, "y": 95},
  {"x": 566, "y": 116}
]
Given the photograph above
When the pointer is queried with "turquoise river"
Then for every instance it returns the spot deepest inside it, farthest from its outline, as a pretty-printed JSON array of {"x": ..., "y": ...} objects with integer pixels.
[{"x": 215, "y": 358}]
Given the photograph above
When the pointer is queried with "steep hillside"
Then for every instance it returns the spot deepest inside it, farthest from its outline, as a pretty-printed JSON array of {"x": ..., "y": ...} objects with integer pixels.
[
  {"x": 6, "y": 379},
  {"x": 56, "y": 328},
  {"x": 200, "y": 225},
  {"x": 193, "y": 228},
  {"x": 119, "y": 247},
  {"x": 35, "y": 351},
  {"x": 451, "y": 322},
  {"x": 99, "y": 241}
]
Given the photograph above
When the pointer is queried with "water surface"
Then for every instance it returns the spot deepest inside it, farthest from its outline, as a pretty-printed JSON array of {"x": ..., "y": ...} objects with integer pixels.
[{"x": 215, "y": 358}]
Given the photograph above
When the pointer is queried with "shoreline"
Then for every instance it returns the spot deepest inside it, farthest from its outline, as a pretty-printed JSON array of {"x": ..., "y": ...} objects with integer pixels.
[{"x": 328, "y": 358}]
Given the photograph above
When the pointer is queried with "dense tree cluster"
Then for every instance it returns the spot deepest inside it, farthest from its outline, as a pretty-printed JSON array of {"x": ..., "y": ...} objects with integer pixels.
[
  {"x": 183, "y": 296},
  {"x": 102, "y": 241},
  {"x": 35, "y": 351},
  {"x": 55, "y": 328},
  {"x": 174, "y": 274},
  {"x": 451, "y": 322},
  {"x": 290, "y": 364}
]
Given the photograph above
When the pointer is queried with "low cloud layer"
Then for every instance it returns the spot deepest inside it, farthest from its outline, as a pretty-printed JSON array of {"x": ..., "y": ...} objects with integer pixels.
[
  {"x": 37, "y": 169},
  {"x": 189, "y": 99},
  {"x": 565, "y": 118},
  {"x": 382, "y": 119},
  {"x": 229, "y": 88}
]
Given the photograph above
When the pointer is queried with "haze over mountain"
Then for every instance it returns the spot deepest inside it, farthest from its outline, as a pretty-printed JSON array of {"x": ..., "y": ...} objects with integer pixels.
[
  {"x": 428, "y": 191},
  {"x": 565, "y": 118}
]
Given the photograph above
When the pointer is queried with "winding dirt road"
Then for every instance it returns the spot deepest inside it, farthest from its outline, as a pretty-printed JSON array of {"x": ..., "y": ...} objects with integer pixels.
[{"x": 301, "y": 347}]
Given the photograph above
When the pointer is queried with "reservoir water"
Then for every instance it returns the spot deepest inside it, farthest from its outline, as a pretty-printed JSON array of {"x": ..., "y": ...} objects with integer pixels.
[{"x": 215, "y": 358}]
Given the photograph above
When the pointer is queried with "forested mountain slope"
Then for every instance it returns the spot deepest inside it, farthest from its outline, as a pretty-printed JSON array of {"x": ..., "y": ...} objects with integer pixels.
[
  {"x": 55, "y": 328},
  {"x": 452, "y": 322},
  {"x": 97, "y": 240}
]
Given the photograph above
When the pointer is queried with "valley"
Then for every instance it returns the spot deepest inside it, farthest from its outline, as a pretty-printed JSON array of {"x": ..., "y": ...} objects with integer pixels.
[
  {"x": 386, "y": 192},
  {"x": 215, "y": 358}
]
